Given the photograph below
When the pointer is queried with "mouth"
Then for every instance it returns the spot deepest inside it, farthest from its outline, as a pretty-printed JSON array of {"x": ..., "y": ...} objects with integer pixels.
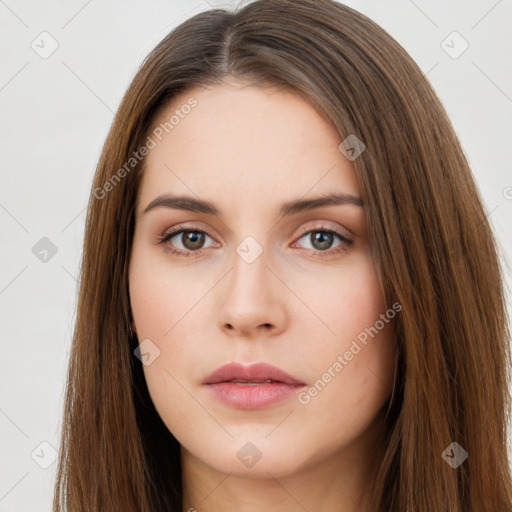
[{"x": 251, "y": 387}]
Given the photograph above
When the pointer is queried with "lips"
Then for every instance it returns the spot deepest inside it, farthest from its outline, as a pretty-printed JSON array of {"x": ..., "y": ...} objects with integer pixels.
[{"x": 251, "y": 387}]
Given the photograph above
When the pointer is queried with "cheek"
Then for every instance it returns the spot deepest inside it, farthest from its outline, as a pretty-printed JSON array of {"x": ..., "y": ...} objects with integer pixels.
[
  {"x": 347, "y": 396},
  {"x": 351, "y": 376},
  {"x": 351, "y": 370},
  {"x": 161, "y": 295},
  {"x": 348, "y": 300},
  {"x": 166, "y": 304}
]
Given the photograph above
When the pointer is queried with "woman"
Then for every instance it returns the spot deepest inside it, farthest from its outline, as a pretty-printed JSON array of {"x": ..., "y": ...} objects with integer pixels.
[{"x": 290, "y": 295}]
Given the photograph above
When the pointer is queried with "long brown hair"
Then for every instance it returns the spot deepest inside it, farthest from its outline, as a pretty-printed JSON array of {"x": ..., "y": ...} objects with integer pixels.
[{"x": 432, "y": 245}]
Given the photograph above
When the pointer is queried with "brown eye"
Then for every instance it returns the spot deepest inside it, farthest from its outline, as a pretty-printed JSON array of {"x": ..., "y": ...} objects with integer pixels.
[
  {"x": 191, "y": 241},
  {"x": 321, "y": 240}
]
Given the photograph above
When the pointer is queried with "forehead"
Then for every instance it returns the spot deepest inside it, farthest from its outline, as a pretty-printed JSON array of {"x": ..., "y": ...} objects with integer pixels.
[{"x": 260, "y": 145}]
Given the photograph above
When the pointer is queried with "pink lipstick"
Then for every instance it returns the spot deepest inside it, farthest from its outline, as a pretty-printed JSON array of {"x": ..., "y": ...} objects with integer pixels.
[{"x": 251, "y": 387}]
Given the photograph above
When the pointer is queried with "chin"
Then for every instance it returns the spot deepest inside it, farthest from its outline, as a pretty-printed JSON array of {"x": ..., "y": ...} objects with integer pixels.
[{"x": 254, "y": 459}]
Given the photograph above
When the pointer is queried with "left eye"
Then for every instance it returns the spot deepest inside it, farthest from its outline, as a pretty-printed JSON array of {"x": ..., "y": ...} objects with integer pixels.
[{"x": 322, "y": 239}]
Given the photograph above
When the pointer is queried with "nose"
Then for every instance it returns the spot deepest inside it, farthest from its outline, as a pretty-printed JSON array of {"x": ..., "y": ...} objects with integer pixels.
[{"x": 252, "y": 299}]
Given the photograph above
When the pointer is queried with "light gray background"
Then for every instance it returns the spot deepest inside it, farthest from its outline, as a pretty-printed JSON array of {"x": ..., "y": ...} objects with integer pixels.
[{"x": 55, "y": 115}]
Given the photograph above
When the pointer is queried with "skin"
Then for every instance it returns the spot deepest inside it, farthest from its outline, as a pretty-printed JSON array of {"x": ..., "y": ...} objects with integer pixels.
[{"x": 247, "y": 149}]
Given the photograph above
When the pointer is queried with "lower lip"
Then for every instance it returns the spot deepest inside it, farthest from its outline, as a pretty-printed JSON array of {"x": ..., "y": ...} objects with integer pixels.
[{"x": 252, "y": 396}]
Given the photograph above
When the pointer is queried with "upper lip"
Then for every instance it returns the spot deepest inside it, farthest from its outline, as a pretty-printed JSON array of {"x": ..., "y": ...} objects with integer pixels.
[{"x": 253, "y": 372}]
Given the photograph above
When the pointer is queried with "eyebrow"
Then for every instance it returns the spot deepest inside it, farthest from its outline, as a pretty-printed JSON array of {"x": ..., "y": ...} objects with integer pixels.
[{"x": 293, "y": 207}]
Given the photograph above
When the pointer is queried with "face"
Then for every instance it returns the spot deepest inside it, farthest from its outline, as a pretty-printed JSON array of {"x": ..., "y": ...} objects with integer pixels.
[{"x": 243, "y": 279}]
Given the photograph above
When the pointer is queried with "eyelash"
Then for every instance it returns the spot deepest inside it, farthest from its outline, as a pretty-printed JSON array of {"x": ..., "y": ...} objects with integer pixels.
[{"x": 345, "y": 242}]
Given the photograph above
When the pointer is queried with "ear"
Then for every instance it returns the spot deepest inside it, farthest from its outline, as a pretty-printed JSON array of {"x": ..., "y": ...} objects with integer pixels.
[{"x": 133, "y": 327}]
